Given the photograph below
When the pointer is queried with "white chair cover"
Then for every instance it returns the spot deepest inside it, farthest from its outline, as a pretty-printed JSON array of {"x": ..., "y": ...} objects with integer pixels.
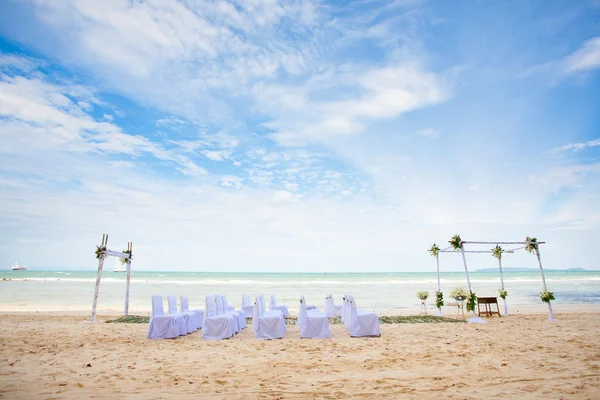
[
  {"x": 260, "y": 301},
  {"x": 215, "y": 327},
  {"x": 197, "y": 315},
  {"x": 188, "y": 324},
  {"x": 222, "y": 309},
  {"x": 267, "y": 326},
  {"x": 312, "y": 324},
  {"x": 345, "y": 311},
  {"x": 280, "y": 307},
  {"x": 362, "y": 322},
  {"x": 247, "y": 306},
  {"x": 331, "y": 310},
  {"x": 184, "y": 320},
  {"x": 162, "y": 326},
  {"x": 239, "y": 315}
]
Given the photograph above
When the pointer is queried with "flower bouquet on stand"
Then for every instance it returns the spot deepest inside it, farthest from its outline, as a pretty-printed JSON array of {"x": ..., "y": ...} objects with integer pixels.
[
  {"x": 460, "y": 295},
  {"x": 423, "y": 295}
]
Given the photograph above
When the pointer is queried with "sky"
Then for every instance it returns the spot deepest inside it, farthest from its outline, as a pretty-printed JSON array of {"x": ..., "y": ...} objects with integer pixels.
[{"x": 299, "y": 135}]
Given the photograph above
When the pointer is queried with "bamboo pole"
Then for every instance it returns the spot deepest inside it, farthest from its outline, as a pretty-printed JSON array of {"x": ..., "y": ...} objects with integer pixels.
[
  {"x": 439, "y": 288},
  {"x": 100, "y": 266},
  {"x": 129, "y": 247},
  {"x": 502, "y": 284},
  {"x": 475, "y": 318},
  {"x": 537, "y": 253}
]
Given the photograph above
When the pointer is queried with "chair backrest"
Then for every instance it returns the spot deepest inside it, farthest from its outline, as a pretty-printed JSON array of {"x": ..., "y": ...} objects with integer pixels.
[
  {"x": 344, "y": 308},
  {"x": 273, "y": 302},
  {"x": 351, "y": 314},
  {"x": 225, "y": 303},
  {"x": 210, "y": 309},
  {"x": 256, "y": 313},
  {"x": 157, "y": 306},
  {"x": 329, "y": 307},
  {"x": 302, "y": 314},
  {"x": 261, "y": 302},
  {"x": 185, "y": 306},
  {"x": 219, "y": 301},
  {"x": 172, "y": 304}
]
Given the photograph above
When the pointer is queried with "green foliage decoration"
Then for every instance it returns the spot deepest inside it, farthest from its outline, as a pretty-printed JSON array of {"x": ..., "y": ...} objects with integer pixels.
[
  {"x": 456, "y": 242},
  {"x": 497, "y": 252},
  {"x": 546, "y": 296},
  {"x": 531, "y": 244},
  {"x": 439, "y": 299},
  {"x": 472, "y": 301},
  {"x": 434, "y": 250},
  {"x": 502, "y": 293}
]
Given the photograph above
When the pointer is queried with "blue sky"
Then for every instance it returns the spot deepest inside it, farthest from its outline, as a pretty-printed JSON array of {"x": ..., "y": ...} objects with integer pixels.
[{"x": 266, "y": 135}]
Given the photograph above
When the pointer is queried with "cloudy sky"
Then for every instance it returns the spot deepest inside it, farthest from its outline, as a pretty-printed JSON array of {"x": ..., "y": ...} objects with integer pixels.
[{"x": 299, "y": 135}]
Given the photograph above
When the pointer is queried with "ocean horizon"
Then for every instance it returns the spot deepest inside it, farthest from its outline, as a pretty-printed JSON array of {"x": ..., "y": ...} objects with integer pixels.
[{"x": 64, "y": 290}]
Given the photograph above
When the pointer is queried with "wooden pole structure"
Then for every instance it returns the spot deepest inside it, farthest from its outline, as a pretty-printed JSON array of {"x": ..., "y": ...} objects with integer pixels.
[
  {"x": 502, "y": 284},
  {"x": 537, "y": 253},
  {"x": 437, "y": 260},
  {"x": 475, "y": 318},
  {"x": 100, "y": 266},
  {"x": 129, "y": 247}
]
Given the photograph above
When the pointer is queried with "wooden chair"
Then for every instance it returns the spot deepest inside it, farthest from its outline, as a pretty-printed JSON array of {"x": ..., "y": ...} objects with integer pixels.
[{"x": 487, "y": 304}]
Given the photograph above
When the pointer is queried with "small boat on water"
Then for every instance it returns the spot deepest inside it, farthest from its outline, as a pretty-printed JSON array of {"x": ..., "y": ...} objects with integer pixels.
[{"x": 17, "y": 267}]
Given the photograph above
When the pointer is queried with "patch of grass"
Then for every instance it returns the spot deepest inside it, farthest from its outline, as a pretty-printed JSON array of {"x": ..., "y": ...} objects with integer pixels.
[
  {"x": 418, "y": 319},
  {"x": 411, "y": 319},
  {"x": 130, "y": 319}
]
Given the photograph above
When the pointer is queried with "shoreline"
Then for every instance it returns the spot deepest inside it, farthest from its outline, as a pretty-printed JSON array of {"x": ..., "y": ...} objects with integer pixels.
[{"x": 448, "y": 311}]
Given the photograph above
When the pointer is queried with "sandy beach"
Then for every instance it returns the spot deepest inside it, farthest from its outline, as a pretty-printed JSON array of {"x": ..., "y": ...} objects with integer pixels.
[{"x": 60, "y": 355}]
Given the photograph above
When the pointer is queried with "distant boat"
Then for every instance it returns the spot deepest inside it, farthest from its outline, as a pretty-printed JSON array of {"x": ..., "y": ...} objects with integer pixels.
[
  {"x": 18, "y": 267},
  {"x": 119, "y": 266}
]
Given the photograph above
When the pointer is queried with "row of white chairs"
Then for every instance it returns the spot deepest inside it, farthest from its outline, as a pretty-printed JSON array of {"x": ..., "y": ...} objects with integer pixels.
[
  {"x": 220, "y": 321},
  {"x": 176, "y": 323}
]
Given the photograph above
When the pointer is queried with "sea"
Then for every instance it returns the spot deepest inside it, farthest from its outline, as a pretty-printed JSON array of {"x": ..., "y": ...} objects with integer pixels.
[{"x": 58, "y": 290}]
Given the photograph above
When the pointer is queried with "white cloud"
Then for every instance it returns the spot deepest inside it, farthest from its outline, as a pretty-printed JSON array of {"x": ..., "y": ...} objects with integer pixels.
[
  {"x": 428, "y": 133},
  {"x": 47, "y": 118},
  {"x": 576, "y": 146},
  {"x": 586, "y": 58}
]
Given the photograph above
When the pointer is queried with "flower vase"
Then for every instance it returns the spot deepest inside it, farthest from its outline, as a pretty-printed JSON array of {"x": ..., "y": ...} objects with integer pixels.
[{"x": 423, "y": 310}]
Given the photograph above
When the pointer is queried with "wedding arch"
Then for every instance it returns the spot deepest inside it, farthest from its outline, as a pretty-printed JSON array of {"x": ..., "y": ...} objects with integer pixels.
[
  {"x": 456, "y": 243},
  {"x": 102, "y": 252}
]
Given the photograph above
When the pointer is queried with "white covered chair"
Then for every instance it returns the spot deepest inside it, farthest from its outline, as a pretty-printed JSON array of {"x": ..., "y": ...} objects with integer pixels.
[
  {"x": 223, "y": 309},
  {"x": 361, "y": 322},
  {"x": 163, "y": 326},
  {"x": 331, "y": 310},
  {"x": 312, "y": 324},
  {"x": 215, "y": 326},
  {"x": 247, "y": 306},
  {"x": 280, "y": 307},
  {"x": 267, "y": 325},
  {"x": 188, "y": 325},
  {"x": 197, "y": 315},
  {"x": 238, "y": 314}
]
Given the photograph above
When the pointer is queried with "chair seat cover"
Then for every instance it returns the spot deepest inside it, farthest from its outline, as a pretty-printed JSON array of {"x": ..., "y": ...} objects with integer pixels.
[
  {"x": 216, "y": 326},
  {"x": 187, "y": 325},
  {"x": 196, "y": 315},
  {"x": 163, "y": 326},
  {"x": 267, "y": 326},
  {"x": 247, "y": 306},
  {"x": 361, "y": 322},
  {"x": 279, "y": 307},
  {"x": 312, "y": 324},
  {"x": 331, "y": 310}
]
